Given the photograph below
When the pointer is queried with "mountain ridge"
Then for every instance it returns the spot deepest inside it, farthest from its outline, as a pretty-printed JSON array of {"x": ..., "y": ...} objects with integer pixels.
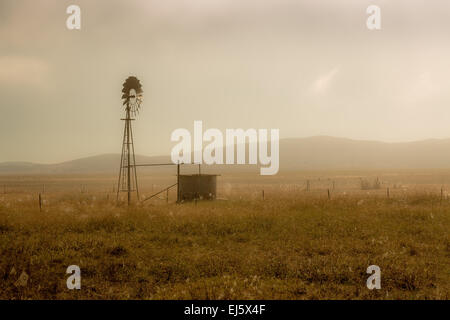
[{"x": 310, "y": 153}]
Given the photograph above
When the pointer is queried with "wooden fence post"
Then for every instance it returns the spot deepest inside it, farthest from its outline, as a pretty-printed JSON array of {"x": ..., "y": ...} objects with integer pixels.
[
  {"x": 40, "y": 203},
  {"x": 178, "y": 183}
]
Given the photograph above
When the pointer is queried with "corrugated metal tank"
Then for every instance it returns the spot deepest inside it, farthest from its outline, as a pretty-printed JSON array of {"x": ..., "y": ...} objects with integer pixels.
[{"x": 198, "y": 186}]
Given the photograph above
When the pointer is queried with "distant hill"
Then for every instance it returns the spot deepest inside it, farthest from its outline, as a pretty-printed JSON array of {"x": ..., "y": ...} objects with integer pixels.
[
  {"x": 314, "y": 153},
  {"x": 105, "y": 163},
  {"x": 340, "y": 153}
]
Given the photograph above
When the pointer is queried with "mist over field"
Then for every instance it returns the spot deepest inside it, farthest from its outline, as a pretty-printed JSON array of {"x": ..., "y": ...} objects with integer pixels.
[
  {"x": 364, "y": 150},
  {"x": 315, "y": 153}
]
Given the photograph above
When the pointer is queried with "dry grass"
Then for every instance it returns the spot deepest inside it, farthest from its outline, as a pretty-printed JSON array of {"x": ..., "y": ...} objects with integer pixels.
[{"x": 293, "y": 245}]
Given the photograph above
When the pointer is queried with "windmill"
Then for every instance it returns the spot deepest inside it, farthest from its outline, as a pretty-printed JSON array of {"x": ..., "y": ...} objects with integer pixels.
[{"x": 132, "y": 100}]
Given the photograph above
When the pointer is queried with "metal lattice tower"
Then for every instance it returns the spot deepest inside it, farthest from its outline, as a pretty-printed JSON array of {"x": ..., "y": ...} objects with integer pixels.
[{"x": 132, "y": 95}]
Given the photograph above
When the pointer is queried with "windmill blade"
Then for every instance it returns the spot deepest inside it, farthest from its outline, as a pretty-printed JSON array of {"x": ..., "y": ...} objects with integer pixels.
[{"x": 132, "y": 83}]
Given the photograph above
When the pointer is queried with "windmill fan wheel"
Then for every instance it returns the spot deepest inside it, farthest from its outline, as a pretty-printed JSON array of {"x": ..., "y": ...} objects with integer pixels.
[{"x": 132, "y": 94}]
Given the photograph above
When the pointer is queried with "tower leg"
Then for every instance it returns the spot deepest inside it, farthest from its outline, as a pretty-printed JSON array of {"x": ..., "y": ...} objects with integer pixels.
[
  {"x": 121, "y": 163},
  {"x": 134, "y": 163},
  {"x": 127, "y": 162},
  {"x": 127, "y": 121}
]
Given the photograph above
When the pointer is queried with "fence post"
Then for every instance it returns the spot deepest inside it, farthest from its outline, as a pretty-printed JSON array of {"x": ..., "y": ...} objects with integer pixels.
[
  {"x": 329, "y": 194},
  {"x": 178, "y": 182},
  {"x": 40, "y": 203},
  {"x": 263, "y": 194}
]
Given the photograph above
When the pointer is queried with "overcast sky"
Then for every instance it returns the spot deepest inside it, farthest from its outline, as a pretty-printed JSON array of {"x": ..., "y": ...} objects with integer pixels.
[{"x": 306, "y": 67}]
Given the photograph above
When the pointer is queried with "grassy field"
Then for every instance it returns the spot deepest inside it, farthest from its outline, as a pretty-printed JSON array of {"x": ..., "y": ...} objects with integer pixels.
[{"x": 291, "y": 245}]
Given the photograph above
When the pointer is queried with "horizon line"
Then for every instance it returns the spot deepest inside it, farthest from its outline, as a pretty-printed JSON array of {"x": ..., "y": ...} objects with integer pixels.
[{"x": 287, "y": 138}]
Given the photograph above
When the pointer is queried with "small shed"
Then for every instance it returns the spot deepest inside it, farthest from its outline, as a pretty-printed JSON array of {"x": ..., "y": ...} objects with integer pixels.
[{"x": 197, "y": 186}]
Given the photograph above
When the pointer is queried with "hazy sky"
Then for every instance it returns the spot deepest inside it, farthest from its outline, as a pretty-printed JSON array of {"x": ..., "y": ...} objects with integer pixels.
[{"x": 306, "y": 67}]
